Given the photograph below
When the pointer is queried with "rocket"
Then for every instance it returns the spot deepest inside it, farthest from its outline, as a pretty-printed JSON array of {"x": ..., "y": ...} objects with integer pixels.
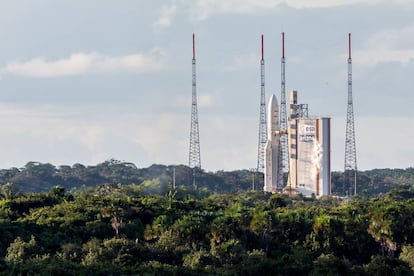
[{"x": 272, "y": 147}]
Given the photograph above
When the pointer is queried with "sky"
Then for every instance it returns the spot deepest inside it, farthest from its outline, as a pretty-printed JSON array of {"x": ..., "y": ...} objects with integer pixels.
[{"x": 87, "y": 81}]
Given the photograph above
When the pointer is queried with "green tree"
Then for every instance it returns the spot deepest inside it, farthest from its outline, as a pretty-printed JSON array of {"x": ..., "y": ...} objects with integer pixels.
[
  {"x": 330, "y": 265},
  {"x": 19, "y": 250},
  {"x": 199, "y": 259},
  {"x": 229, "y": 252},
  {"x": 9, "y": 191},
  {"x": 327, "y": 233},
  {"x": 381, "y": 265},
  {"x": 93, "y": 252},
  {"x": 70, "y": 252},
  {"x": 407, "y": 255}
]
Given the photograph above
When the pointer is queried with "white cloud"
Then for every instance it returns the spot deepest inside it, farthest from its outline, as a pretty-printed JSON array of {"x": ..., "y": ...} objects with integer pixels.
[
  {"x": 164, "y": 138},
  {"x": 301, "y": 4},
  {"x": 65, "y": 135},
  {"x": 387, "y": 46},
  {"x": 243, "y": 62},
  {"x": 205, "y": 100},
  {"x": 376, "y": 56},
  {"x": 55, "y": 135},
  {"x": 203, "y": 9},
  {"x": 228, "y": 142},
  {"x": 81, "y": 63},
  {"x": 381, "y": 142},
  {"x": 165, "y": 15},
  {"x": 385, "y": 142}
]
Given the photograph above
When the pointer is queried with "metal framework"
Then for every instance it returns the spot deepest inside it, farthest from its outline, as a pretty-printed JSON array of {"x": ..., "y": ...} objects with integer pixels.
[
  {"x": 262, "y": 118},
  {"x": 194, "y": 156},
  {"x": 284, "y": 159},
  {"x": 350, "y": 169}
]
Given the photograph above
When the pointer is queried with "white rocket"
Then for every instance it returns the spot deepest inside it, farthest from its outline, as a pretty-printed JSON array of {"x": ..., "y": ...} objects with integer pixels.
[{"x": 272, "y": 147}]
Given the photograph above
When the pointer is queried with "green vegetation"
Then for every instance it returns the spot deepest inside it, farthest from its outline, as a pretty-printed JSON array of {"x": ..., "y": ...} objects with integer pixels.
[
  {"x": 116, "y": 219},
  {"x": 119, "y": 230},
  {"x": 38, "y": 177}
]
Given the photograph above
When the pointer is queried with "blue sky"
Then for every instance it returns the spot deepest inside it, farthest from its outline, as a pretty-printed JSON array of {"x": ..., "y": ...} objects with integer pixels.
[{"x": 86, "y": 81}]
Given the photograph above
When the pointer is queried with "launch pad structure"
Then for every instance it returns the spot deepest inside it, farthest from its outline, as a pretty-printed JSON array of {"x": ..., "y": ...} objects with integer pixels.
[
  {"x": 293, "y": 149},
  {"x": 297, "y": 150},
  {"x": 309, "y": 144}
]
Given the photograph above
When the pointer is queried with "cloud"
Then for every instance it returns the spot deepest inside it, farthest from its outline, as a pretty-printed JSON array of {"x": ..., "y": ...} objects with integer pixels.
[
  {"x": 203, "y": 9},
  {"x": 165, "y": 15},
  {"x": 384, "y": 147},
  {"x": 82, "y": 63},
  {"x": 164, "y": 138},
  {"x": 243, "y": 62},
  {"x": 67, "y": 135},
  {"x": 203, "y": 100},
  {"x": 387, "y": 46},
  {"x": 56, "y": 135},
  {"x": 381, "y": 142}
]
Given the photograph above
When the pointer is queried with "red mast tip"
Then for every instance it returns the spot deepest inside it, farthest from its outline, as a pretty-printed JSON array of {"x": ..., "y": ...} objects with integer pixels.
[
  {"x": 193, "y": 47},
  {"x": 262, "y": 48}
]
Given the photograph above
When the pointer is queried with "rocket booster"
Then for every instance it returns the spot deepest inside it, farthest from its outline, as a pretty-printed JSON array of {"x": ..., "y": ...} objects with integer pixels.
[
  {"x": 272, "y": 118},
  {"x": 272, "y": 146}
]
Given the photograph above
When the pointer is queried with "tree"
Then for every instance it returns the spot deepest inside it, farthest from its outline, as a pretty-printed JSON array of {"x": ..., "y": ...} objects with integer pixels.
[
  {"x": 198, "y": 259},
  {"x": 407, "y": 255},
  {"x": 330, "y": 265},
  {"x": 381, "y": 265},
  {"x": 327, "y": 233},
  {"x": 93, "y": 252},
  {"x": 229, "y": 252},
  {"x": 392, "y": 224},
  {"x": 9, "y": 191},
  {"x": 19, "y": 250},
  {"x": 116, "y": 214},
  {"x": 261, "y": 225}
]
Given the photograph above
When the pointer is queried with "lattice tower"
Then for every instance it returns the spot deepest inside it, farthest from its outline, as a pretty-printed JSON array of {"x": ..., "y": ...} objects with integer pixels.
[
  {"x": 350, "y": 169},
  {"x": 283, "y": 114},
  {"x": 262, "y": 118},
  {"x": 194, "y": 156}
]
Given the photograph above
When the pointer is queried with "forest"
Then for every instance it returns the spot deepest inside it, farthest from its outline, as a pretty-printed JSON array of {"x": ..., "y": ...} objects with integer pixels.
[
  {"x": 121, "y": 220},
  {"x": 42, "y": 177}
]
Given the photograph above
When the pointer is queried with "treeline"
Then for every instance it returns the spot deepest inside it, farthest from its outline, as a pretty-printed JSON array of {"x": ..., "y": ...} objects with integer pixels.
[
  {"x": 41, "y": 177},
  {"x": 108, "y": 230},
  {"x": 156, "y": 179}
]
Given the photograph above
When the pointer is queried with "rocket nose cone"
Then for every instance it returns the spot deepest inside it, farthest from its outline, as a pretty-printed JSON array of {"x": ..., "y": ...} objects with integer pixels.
[{"x": 273, "y": 104}]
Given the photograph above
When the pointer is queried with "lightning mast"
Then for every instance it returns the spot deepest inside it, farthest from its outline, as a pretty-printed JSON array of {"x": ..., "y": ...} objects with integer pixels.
[
  {"x": 283, "y": 114},
  {"x": 350, "y": 169},
  {"x": 262, "y": 118},
  {"x": 194, "y": 156}
]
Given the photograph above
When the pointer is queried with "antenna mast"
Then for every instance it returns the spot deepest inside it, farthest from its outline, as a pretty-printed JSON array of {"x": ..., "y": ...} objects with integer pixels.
[
  {"x": 262, "y": 118},
  {"x": 194, "y": 156},
  {"x": 283, "y": 114},
  {"x": 350, "y": 169}
]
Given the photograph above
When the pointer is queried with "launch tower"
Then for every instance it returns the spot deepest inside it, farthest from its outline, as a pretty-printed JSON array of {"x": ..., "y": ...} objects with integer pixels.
[
  {"x": 262, "y": 118},
  {"x": 350, "y": 169},
  {"x": 283, "y": 116},
  {"x": 309, "y": 146},
  {"x": 194, "y": 156}
]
